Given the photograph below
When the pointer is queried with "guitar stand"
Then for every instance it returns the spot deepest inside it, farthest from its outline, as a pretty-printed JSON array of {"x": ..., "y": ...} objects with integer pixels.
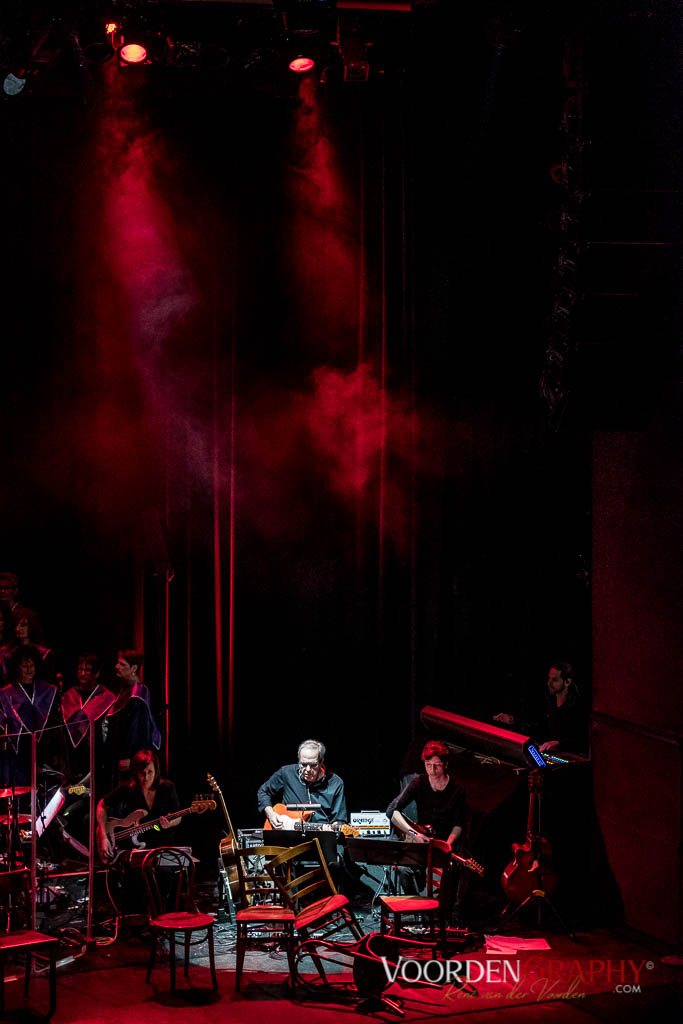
[
  {"x": 534, "y": 848},
  {"x": 539, "y": 898}
]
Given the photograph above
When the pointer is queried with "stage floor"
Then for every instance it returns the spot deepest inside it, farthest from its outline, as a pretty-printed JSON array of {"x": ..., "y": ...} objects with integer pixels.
[{"x": 600, "y": 975}]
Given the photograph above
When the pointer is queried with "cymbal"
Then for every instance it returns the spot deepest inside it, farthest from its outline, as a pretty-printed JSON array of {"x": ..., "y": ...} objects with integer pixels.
[
  {"x": 22, "y": 819},
  {"x": 18, "y": 791}
]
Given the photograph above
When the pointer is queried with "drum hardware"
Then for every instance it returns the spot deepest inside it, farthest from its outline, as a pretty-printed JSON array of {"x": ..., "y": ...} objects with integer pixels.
[
  {"x": 12, "y": 820},
  {"x": 9, "y": 792},
  {"x": 21, "y": 819}
]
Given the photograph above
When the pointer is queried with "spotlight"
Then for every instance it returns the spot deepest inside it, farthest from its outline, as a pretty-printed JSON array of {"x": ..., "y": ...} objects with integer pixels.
[
  {"x": 13, "y": 84},
  {"x": 93, "y": 43},
  {"x": 133, "y": 53},
  {"x": 142, "y": 46},
  {"x": 301, "y": 64}
]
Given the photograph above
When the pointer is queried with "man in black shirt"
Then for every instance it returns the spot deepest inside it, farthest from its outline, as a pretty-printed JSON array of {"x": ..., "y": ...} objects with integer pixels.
[
  {"x": 563, "y": 722},
  {"x": 308, "y": 782}
]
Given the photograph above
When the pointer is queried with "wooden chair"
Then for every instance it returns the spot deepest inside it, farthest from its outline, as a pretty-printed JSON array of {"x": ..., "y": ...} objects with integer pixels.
[
  {"x": 169, "y": 878},
  {"x": 303, "y": 878},
  {"x": 262, "y": 918},
  {"x": 435, "y": 905},
  {"x": 15, "y": 896}
]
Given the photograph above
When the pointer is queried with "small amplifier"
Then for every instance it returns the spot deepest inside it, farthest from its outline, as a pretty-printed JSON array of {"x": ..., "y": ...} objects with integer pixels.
[
  {"x": 371, "y": 824},
  {"x": 248, "y": 837}
]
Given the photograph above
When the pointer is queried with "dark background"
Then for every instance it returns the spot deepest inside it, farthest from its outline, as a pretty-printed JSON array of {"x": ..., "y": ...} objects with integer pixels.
[{"x": 283, "y": 340}]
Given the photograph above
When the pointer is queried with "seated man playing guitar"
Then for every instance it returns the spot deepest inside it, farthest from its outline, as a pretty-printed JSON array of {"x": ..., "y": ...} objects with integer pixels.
[
  {"x": 440, "y": 804},
  {"x": 308, "y": 782},
  {"x": 145, "y": 796}
]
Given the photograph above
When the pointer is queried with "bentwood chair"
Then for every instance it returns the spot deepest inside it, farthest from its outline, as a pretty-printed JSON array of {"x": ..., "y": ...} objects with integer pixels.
[
  {"x": 262, "y": 918},
  {"x": 303, "y": 878},
  {"x": 434, "y": 905},
  {"x": 169, "y": 878},
  {"x": 15, "y": 896}
]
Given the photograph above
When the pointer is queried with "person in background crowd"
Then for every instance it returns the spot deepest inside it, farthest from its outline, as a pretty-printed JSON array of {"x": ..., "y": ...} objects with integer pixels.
[
  {"x": 129, "y": 725},
  {"x": 5, "y": 645},
  {"x": 28, "y": 704},
  {"x": 9, "y": 589},
  {"x": 25, "y": 630},
  {"x": 82, "y": 704},
  {"x": 562, "y": 725}
]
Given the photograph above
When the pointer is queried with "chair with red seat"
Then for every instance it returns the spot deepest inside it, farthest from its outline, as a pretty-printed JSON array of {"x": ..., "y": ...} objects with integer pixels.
[
  {"x": 262, "y": 918},
  {"x": 435, "y": 905},
  {"x": 303, "y": 878},
  {"x": 169, "y": 877},
  {"x": 15, "y": 896}
]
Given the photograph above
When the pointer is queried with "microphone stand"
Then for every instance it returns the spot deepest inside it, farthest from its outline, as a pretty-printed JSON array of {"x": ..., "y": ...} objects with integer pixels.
[{"x": 12, "y": 817}]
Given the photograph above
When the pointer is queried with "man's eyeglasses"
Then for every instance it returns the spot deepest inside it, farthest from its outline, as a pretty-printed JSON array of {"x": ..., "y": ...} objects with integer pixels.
[{"x": 309, "y": 764}]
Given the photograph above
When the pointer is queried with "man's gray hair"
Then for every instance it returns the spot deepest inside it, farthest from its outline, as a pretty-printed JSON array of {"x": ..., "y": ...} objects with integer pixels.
[{"x": 313, "y": 743}]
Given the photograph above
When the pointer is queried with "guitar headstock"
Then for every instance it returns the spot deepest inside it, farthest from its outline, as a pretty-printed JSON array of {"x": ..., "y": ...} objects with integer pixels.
[
  {"x": 475, "y": 866},
  {"x": 350, "y": 830},
  {"x": 469, "y": 863},
  {"x": 199, "y": 806},
  {"x": 212, "y": 782}
]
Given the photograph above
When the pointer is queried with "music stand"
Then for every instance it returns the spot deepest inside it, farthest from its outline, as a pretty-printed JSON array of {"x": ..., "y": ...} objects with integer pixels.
[
  {"x": 389, "y": 852},
  {"x": 291, "y": 837}
]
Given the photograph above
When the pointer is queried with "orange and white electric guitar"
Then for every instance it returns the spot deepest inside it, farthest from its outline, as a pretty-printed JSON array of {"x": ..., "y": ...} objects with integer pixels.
[{"x": 296, "y": 821}]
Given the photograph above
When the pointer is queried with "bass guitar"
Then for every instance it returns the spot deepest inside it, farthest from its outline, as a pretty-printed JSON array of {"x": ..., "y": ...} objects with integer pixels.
[
  {"x": 130, "y": 827},
  {"x": 226, "y": 850},
  {"x": 428, "y": 832},
  {"x": 297, "y": 821},
  {"x": 531, "y": 866}
]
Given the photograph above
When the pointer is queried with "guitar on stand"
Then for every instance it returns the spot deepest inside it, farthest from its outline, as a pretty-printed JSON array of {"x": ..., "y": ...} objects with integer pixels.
[
  {"x": 530, "y": 876},
  {"x": 227, "y": 860}
]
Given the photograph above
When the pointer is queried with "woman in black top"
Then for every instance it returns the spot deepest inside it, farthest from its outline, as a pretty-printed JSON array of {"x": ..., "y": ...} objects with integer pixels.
[
  {"x": 145, "y": 790},
  {"x": 440, "y": 802}
]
